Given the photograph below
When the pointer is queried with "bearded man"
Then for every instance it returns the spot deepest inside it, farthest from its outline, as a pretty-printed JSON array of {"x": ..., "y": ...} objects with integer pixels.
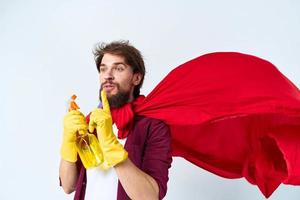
[{"x": 137, "y": 159}]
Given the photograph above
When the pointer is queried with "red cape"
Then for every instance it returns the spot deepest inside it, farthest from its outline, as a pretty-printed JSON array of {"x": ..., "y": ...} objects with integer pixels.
[{"x": 234, "y": 115}]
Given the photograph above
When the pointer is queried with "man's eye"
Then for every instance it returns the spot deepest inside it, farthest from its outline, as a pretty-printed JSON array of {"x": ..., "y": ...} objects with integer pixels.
[
  {"x": 119, "y": 68},
  {"x": 102, "y": 69}
]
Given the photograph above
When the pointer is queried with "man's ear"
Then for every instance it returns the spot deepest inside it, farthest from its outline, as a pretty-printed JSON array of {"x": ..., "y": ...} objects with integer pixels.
[{"x": 137, "y": 77}]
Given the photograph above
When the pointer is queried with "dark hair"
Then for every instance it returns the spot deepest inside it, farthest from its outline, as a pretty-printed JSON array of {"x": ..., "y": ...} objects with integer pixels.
[{"x": 131, "y": 55}]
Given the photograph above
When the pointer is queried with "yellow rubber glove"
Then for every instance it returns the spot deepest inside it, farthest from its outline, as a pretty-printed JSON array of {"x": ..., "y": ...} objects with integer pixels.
[
  {"x": 74, "y": 121},
  {"x": 101, "y": 119}
]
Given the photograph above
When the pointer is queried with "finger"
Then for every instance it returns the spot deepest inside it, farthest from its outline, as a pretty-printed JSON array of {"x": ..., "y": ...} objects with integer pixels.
[
  {"x": 105, "y": 103},
  {"x": 92, "y": 126},
  {"x": 81, "y": 131},
  {"x": 75, "y": 112},
  {"x": 75, "y": 117},
  {"x": 74, "y": 120},
  {"x": 82, "y": 127}
]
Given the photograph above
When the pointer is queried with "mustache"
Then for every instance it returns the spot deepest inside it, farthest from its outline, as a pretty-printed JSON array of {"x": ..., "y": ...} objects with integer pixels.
[{"x": 108, "y": 82}]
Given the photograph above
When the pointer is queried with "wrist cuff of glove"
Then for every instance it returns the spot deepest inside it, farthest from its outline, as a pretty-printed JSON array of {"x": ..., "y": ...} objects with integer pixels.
[
  {"x": 111, "y": 159},
  {"x": 68, "y": 152}
]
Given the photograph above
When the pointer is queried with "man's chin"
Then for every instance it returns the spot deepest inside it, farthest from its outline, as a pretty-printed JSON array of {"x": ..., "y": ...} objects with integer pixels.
[{"x": 116, "y": 98}]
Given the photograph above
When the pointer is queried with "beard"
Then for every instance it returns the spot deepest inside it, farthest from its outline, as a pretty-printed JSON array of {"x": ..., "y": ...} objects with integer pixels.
[{"x": 117, "y": 100}]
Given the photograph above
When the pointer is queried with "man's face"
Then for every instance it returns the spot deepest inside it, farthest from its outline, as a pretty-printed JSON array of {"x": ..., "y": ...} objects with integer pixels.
[{"x": 117, "y": 79}]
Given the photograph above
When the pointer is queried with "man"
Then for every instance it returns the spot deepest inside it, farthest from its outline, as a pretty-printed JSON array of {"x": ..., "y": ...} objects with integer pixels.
[{"x": 136, "y": 163}]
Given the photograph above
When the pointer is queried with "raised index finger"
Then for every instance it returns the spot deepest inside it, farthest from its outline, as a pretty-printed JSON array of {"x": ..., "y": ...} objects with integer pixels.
[{"x": 105, "y": 103}]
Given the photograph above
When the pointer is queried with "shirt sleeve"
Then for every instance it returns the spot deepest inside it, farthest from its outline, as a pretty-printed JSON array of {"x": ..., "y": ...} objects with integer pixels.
[{"x": 157, "y": 157}]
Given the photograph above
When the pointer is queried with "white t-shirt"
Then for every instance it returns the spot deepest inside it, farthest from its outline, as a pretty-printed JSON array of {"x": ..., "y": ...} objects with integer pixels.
[{"x": 102, "y": 185}]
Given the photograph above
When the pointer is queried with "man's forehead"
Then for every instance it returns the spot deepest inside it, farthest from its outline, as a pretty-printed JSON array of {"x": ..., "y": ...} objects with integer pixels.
[{"x": 112, "y": 59}]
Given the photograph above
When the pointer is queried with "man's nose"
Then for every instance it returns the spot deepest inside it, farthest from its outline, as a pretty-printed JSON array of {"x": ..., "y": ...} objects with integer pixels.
[{"x": 108, "y": 75}]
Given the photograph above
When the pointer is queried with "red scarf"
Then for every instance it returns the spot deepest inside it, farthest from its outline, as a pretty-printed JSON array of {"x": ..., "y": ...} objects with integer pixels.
[
  {"x": 123, "y": 117},
  {"x": 232, "y": 114}
]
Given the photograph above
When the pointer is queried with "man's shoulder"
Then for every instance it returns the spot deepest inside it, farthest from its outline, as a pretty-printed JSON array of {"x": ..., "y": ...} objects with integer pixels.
[
  {"x": 151, "y": 126},
  {"x": 142, "y": 120}
]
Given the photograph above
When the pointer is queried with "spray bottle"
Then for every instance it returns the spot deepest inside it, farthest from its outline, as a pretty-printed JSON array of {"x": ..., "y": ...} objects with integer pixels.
[{"x": 87, "y": 144}]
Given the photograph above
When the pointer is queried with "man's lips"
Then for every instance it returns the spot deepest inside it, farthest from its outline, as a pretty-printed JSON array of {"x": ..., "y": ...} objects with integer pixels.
[{"x": 108, "y": 87}]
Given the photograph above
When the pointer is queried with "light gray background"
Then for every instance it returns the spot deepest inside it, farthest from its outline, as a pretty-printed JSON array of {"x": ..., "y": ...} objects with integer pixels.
[{"x": 45, "y": 56}]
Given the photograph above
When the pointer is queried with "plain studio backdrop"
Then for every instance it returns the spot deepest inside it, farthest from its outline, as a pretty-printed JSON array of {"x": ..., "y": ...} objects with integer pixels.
[{"x": 46, "y": 56}]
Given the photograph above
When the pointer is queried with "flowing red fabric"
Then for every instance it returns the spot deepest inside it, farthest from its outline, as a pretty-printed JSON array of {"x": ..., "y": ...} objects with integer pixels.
[{"x": 232, "y": 114}]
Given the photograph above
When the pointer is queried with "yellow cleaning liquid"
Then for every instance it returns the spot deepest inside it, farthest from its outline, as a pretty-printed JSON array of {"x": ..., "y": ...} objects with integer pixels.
[
  {"x": 89, "y": 150},
  {"x": 87, "y": 144}
]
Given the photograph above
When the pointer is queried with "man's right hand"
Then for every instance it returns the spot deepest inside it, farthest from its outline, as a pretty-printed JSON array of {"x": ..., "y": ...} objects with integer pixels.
[{"x": 74, "y": 121}]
